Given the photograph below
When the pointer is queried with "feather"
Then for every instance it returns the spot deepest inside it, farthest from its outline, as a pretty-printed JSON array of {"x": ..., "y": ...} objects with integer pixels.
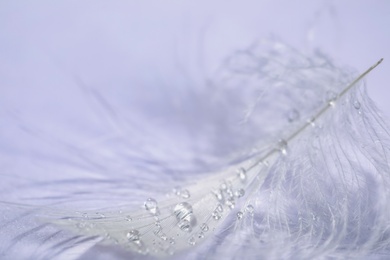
[{"x": 278, "y": 156}]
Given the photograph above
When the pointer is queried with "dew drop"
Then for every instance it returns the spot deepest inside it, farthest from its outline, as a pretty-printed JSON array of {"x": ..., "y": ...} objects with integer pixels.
[
  {"x": 230, "y": 203},
  {"x": 218, "y": 195},
  {"x": 282, "y": 145},
  {"x": 133, "y": 235},
  {"x": 331, "y": 97},
  {"x": 219, "y": 208},
  {"x": 239, "y": 193},
  {"x": 151, "y": 206},
  {"x": 250, "y": 209},
  {"x": 128, "y": 218},
  {"x": 185, "y": 225},
  {"x": 184, "y": 215},
  {"x": 293, "y": 116},
  {"x": 223, "y": 186},
  {"x": 241, "y": 173},
  {"x": 191, "y": 241},
  {"x": 216, "y": 215},
  {"x": 201, "y": 235},
  {"x": 204, "y": 227},
  {"x": 356, "y": 105},
  {"x": 172, "y": 241},
  {"x": 240, "y": 215},
  {"x": 312, "y": 122},
  {"x": 185, "y": 194}
]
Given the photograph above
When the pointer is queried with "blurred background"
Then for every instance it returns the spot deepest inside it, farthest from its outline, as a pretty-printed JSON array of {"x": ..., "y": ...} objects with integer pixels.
[
  {"x": 44, "y": 45},
  {"x": 142, "y": 55}
]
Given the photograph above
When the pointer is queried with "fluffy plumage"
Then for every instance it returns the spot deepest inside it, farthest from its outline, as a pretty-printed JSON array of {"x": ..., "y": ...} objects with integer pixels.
[{"x": 225, "y": 173}]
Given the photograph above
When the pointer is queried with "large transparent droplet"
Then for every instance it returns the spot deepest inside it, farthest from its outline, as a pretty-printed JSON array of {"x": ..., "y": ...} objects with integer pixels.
[
  {"x": 184, "y": 215},
  {"x": 151, "y": 206}
]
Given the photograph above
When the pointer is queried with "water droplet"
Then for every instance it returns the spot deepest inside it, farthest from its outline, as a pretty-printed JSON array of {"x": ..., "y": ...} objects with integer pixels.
[
  {"x": 219, "y": 208},
  {"x": 241, "y": 173},
  {"x": 239, "y": 193},
  {"x": 191, "y": 241},
  {"x": 204, "y": 227},
  {"x": 331, "y": 97},
  {"x": 250, "y": 209},
  {"x": 185, "y": 194},
  {"x": 182, "y": 210},
  {"x": 151, "y": 206},
  {"x": 172, "y": 241},
  {"x": 312, "y": 122},
  {"x": 293, "y": 115},
  {"x": 230, "y": 203},
  {"x": 223, "y": 186},
  {"x": 201, "y": 235},
  {"x": 356, "y": 105},
  {"x": 216, "y": 215},
  {"x": 218, "y": 194},
  {"x": 282, "y": 146},
  {"x": 185, "y": 225},
  {"x": 128, "y": 218},
  {"x": 240, "y": 215},
  {"x": 184, "y": 215},
  {"x": 133, "y": 235}
]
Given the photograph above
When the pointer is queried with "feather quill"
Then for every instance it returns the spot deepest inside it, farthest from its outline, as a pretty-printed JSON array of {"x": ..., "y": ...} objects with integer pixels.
[{"x": 303, "y": 173}]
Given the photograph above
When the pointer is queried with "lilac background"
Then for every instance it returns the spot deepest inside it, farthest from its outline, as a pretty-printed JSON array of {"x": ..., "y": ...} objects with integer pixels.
[{"x": 45, "y": 45}]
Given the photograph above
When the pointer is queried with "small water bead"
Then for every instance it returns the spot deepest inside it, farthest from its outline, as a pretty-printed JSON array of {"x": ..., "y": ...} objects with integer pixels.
[
  {"x": 128, "y": 218},
  {"x": 204, "y": 227},
  {"x": 172, "y": 241},
  {"x": 223, "y": 186},
  {"x": 230, "y": 203},
  {"x": 282, "y": 146},
  {"x": 219, "y": 208},
  {"x": 357, "y": 105},
  {"x": 241, "y": 173},
  {"x": 191, "y": 241},
  {"x": 185, "y": 194},
  {"x": 293, "y": 115},
  {"x": 240, "y": 215},
  {"x": 216, "y": 215},
  {"x": 133, "y": 235},
  {"x": 201, "y": 235},
  {"x": 151, "y": 206},
  {"x": 218, "y": 195},
  {"x": 331, "y": 97},
  {"x": 250, "y": 209},
  {"x": 312, "y": 122},
  {"x": 239, "y": 193}
]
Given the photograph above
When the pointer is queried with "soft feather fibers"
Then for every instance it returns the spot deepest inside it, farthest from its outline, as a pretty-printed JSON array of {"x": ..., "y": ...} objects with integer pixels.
[{"x": 211, "y": 169}]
